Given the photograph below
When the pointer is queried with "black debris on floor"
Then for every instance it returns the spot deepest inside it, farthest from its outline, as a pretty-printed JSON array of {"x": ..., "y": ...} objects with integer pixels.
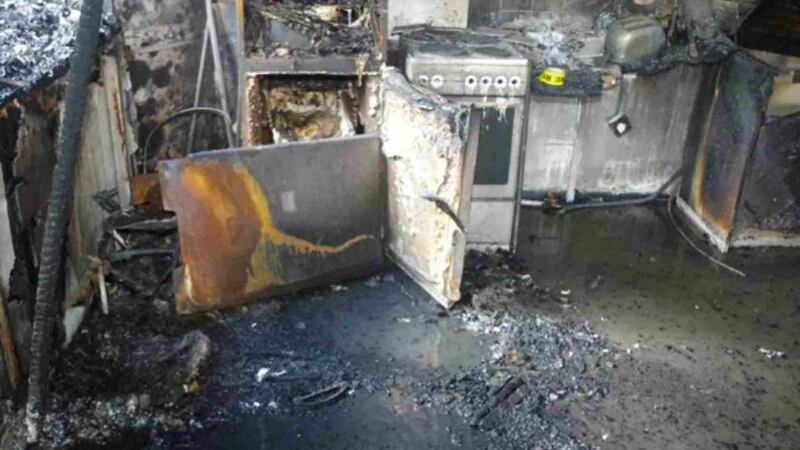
[
  {"x": 378, "y": 349},
  {"x": 36, "y": 39}
]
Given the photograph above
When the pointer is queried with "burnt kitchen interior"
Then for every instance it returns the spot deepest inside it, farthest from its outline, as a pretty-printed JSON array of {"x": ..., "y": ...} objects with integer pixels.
[{"x": 375, "y": 224}]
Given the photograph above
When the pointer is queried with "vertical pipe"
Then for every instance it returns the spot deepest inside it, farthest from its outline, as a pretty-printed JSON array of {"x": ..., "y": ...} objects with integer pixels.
[
  {"x": 219, "y": 76},
  {"x": 58, "y": 209},
  {"x": 198, "y": 89}
]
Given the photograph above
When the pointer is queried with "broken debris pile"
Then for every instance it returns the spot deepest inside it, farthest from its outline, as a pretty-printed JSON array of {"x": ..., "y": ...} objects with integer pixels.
[
  {"x": 492, "y": 281},
  {"x": 36, "y": 39},
  {"x": 302, "y": 29},
  {"x": 146, "y": 374},
  {"x": 520, "y": 393},
  {"x": 556, "y": 38},
  {"x": 140, "y": 252}
]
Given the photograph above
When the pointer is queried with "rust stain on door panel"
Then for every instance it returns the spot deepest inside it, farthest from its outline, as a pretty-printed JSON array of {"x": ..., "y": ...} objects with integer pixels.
[{"x": 232, "y": 244}]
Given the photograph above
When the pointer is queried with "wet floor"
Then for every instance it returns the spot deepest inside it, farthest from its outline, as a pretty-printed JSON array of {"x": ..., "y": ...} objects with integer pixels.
[
  {"x": 694, "y": 372},
  {"x": 701, "y": 375},
  {"x": 385, "y": 333}
]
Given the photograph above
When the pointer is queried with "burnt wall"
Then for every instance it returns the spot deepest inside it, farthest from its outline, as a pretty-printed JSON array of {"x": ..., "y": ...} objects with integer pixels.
[
  {"x": 483, "y": 12},
  {"x": 774, "y": 26},
  {"x": 163, "y": 40}
]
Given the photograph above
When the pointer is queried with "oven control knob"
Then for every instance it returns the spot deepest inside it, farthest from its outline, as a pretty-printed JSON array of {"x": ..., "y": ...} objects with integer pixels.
[
  {"x": 501, "y": 82},
  {"x": 486, "y": 82},
  {"x": 515, "y": 82},
  {"x": 471, "y": 82},
  {"x": 437, "y": 81},
  {"x": 423, "y": 80}
]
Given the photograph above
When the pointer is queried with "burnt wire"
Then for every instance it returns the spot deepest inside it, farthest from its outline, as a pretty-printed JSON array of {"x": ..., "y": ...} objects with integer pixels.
[
  {"x": 652, "y": 197},
  {"x": 631, "y": 202},
  {"x": 182, "y": 113},
  {"x": 695, "y": 246}
]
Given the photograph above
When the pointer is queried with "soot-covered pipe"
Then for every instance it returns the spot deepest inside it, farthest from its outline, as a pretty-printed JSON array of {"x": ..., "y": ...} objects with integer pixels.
[{"x": 58, "y": 209}]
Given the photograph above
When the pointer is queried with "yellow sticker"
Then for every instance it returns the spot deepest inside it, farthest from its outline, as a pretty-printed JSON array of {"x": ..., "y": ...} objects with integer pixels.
[{"x": 553, "y": 77}]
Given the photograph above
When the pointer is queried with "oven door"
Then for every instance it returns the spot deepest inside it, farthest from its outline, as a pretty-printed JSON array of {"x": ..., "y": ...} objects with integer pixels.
[{"x": 494, "y": 211}]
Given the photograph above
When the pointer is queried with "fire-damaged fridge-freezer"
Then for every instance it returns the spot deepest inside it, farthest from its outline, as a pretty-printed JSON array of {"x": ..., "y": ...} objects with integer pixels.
[
  {"x": 341, "y": 165},
  {"x": 268, "y": 219}
]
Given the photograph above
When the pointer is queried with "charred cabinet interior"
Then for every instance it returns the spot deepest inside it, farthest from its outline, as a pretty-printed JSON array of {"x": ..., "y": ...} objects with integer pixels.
[{"x": 298, "y": 109}]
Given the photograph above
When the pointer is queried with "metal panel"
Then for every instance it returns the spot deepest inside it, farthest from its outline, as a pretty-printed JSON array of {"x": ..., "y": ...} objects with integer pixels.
[
  {"x": 712, "y": 190},
  {"x": 769, "y": 207},
  {"x": 430, "y": 171},
  {"x": 492, "y": 224},
  {"x": 660, "y": 108},
  {"x": 6, "y": 243},
  {"x": 552, "y": 136},
  {"x": 102, "y": 167},
  {"x": 321, "y": 66},
  {"x": 266, "y": 220},
  {"x": 570, "y": 139}
]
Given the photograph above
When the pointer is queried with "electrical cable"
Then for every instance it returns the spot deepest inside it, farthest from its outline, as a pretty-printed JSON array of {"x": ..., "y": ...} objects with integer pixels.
[
  {"x": 185, "y": 112},
  {"x": 630, "y": 202},
  {"x": 695, "y": 246}
]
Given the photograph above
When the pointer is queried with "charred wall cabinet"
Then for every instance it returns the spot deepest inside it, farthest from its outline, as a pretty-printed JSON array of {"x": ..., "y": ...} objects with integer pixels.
[{"x": 743, "y": 187}]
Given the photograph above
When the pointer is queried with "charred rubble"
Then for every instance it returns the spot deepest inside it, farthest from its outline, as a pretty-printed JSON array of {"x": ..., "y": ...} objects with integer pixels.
[
  {"x": 36, "y": 42},
  {"x": 297, "y": 28},
  {"x": 142, "y": 374}
]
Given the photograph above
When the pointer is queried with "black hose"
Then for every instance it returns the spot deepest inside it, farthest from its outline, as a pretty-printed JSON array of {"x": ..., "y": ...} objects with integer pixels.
[
  {"x": 630, "y": 202},
  {"x": 58, "y": 209},
  {"x": 226, "y": 119}
]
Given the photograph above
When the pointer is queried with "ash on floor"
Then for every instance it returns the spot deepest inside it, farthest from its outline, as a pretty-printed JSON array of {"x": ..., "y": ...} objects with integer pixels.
[
  {"x": 412, "y": 375},
  {"x": 606, "y": 332}
]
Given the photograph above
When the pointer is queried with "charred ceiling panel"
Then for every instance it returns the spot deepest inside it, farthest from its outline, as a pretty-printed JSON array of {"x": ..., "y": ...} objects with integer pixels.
[
  {"x": 430, "y": 171},
  {"x": 711, "y": 191},
  {"x": 246, "y": 229}
]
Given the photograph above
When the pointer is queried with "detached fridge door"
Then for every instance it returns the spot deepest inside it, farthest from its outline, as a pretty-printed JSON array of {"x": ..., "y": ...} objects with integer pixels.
[
  {"x": 261, "y": 221},
  {"x": 430, "y": 145}
]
